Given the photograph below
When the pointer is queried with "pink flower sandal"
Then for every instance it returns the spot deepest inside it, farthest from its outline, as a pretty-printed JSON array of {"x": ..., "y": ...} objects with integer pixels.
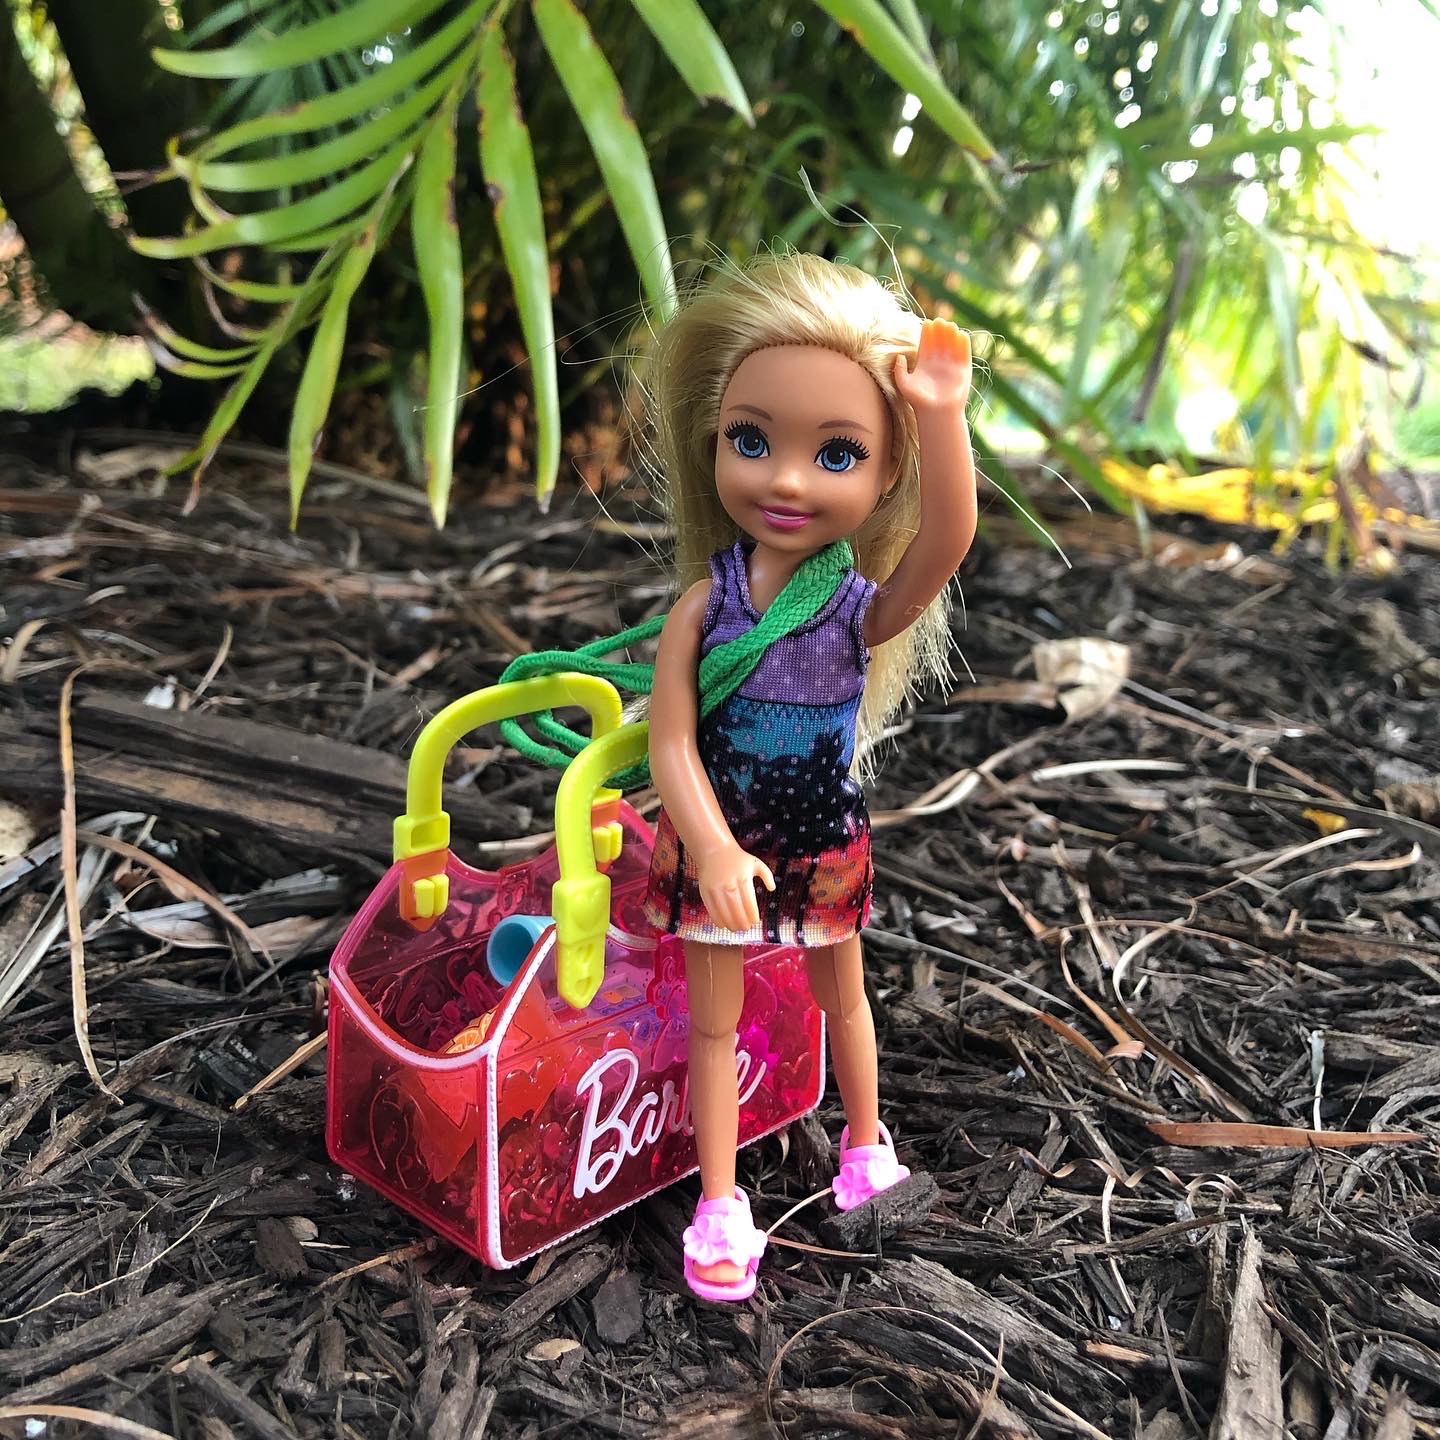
[
  {"x": 866, "y": 1170},
  {"x": 723, "y": 1231}
]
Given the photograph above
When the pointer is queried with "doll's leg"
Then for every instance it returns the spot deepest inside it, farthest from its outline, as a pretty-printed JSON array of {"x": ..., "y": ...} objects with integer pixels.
[
  {"x": 838, "y": 984},
  {"x": 867, "y": 1166},
  {"x": 715, "y": 986}
]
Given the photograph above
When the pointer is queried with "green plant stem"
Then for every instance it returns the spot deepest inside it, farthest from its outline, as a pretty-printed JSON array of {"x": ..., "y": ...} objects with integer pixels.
[
  {"x": 89, "y": 271},
  {"x": 131, "y": 105}
]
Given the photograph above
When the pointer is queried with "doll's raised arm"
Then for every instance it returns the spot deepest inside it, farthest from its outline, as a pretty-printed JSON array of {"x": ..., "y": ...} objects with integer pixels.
[
  {"x": 727, "y": 874},
  {"x": 936, "y": 389}
]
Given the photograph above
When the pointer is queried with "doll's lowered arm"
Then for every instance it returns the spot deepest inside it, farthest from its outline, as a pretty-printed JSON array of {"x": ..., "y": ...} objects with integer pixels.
[
  {"x": 936, "y": 389},
  {"x": 727, "y": 874}
]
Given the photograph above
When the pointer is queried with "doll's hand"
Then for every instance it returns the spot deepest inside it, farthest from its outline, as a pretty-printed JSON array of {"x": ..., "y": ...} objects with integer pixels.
[
  {"x": 727, "y": 886},
  {"x": 941, "y": 377}
]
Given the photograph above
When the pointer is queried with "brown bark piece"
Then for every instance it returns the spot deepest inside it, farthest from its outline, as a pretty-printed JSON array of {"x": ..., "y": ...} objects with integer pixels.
[
  {"x": 150, "y": 1344},
  {"x": 277, "y": 1250},
  {"x": 1250, "y": 1406},
  {"x": 898, "y": 1208},
  {"x": 318, "y": 795},
  {"x": 229, "y": 1396},
  {"x": 568, "y": 1278}
]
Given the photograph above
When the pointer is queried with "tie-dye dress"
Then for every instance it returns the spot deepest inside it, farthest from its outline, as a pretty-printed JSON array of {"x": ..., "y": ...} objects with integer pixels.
[{"x": 778, "y": 755}]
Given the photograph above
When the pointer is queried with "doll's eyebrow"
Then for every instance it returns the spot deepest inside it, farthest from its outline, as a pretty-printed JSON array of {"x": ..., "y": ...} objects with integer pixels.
[
  {"x": 754, "y": 410},
  {"x": 843, "y": 424}
]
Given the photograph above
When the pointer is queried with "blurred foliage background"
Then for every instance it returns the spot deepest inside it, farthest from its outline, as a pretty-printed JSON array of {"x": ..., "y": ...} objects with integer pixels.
[{"x": 403, "y": 226}]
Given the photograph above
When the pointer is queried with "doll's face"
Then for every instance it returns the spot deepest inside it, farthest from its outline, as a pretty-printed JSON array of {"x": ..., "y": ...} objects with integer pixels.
[{"x": 804, "y": 449}]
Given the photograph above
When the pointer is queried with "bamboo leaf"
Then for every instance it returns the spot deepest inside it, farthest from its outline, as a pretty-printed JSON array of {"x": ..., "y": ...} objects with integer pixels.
[
  {"x": 283, "y": 222},
  {"x": 508, "y": 161},
  {"x": 358, "y": 23},
  {"x": 696, "y": 51},
  {"x": 595, "y": 93},
  {"x": 883, "y": 40},
  {"x": 322, "y": 365},
  {"x": 436, "y": 238}
]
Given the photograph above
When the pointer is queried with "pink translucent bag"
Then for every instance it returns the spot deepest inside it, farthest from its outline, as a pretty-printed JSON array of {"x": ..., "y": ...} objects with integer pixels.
[{"x": 559, "y": 1116}]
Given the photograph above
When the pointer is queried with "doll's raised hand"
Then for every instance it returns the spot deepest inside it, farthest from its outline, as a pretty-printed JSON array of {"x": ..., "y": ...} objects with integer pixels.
[
  {"x": 940, "y": 378},
  {"x": 727, "y": 886}
]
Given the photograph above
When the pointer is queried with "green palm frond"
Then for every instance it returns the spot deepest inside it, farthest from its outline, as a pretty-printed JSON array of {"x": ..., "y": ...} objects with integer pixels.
[{"x": 311, "y": 162}]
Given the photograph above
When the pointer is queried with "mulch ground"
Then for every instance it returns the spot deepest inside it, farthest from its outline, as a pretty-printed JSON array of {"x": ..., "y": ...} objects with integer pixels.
[{"x": 1125, "y": 966}]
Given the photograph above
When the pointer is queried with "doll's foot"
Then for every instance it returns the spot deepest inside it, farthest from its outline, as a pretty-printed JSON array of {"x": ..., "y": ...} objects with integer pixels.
[
  {"x": 723, "y": 1249},
  {"x": 866, "y": 1170}
]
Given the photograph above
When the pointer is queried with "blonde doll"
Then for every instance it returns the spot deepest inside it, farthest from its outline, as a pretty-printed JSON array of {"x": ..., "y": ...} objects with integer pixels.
[{"x": 810, "y": 433}]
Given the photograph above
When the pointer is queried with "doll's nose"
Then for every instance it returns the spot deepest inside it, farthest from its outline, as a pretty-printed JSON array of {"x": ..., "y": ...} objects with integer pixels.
[{"x": 787, "y": 480}]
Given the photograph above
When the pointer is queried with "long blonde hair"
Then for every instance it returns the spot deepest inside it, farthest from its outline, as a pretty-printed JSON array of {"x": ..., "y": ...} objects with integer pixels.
[{"x": 679, "y": 378}]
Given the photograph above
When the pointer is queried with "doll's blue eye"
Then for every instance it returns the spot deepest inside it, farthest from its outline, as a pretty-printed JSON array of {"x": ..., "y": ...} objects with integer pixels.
[
  {"x": 840, "y": 455},
  {"x": 748, "y": 440}
]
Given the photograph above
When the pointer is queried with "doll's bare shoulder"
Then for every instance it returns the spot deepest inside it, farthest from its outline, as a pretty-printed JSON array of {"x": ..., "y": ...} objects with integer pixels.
[{"x": 688, "y": 613}]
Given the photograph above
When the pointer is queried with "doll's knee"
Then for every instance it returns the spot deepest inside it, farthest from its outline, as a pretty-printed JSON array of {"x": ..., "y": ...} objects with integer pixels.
[
  {"x": 838, "y": 988},
  {"x": 718, "y": 1021},
  {"x": 843, "y": 1009}
]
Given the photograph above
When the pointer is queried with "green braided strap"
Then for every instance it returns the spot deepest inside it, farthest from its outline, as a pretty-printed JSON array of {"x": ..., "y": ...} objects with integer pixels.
[{"x": 722, "y": 672}]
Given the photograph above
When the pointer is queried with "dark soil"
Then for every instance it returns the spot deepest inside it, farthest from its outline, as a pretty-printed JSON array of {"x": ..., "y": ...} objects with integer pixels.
[{"x": 1222, "y": 914}]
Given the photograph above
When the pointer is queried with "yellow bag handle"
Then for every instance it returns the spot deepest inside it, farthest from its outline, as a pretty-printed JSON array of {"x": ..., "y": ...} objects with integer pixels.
[
  {"x": 587, "y": 831},
  {"x": 422, "y": 833}
]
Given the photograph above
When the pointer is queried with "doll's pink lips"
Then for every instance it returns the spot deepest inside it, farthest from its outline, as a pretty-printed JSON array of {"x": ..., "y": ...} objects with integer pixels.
[{"x": 785, "y": 519}]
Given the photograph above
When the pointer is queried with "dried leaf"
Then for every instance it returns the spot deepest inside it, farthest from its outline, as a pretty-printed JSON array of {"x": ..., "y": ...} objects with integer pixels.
[
  {"x": 552, "y": 1349},
  {"x": 1229, "y": 1135},
  {"x": 1087, "y": 671}
]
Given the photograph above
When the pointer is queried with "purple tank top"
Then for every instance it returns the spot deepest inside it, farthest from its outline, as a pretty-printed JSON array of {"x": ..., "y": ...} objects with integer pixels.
[{"x": 821, "y": 663}]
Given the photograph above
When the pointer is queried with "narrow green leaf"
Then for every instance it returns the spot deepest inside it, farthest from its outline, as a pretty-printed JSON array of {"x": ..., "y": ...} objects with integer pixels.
[
  {"x": 998, "y": 474},
  {"x": 912, "y": 22},
  {"x": 282, "y": 222},
  {"x": 322, "y": 365},
  {"x": 319, "y": 162},
  {"x": 282, "y": 328},
  {"x": 341, "y": 107},
  {"x": 1283, "y": 315},
  {"x": 595, "y": 93},
  {"x": 313, "y": 240},
  {"x": 508, "y": 162},
  {"x": 883, "y": 40},
  {"x": 696, "y": 51},
  {"x": 191, "y": 369},
  {"x": 436, "y": 238},
  {"x": 172, "y": 341},
  {"x": 358, "y": 23},
  {"x": 1082, "y": 464},
  {"x": 262, "y": 291},
  {"x": 1099, "y": 283},
  {"x": 216, "y": 21}
]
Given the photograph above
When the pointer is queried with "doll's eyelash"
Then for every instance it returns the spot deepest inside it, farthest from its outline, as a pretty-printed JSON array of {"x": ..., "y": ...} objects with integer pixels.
[
  {"x": 855, "y": 447},
  {"x": 747, "y": 430}
]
